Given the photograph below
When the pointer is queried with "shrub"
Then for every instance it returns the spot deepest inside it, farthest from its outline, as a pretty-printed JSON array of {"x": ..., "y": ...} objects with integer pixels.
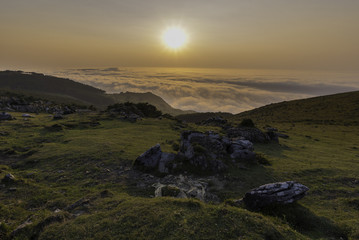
[{"x": 247, "y": 122}]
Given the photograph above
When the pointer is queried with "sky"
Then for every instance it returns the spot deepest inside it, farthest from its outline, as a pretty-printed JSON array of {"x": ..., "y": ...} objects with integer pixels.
[{"x": 244, "y": 34}]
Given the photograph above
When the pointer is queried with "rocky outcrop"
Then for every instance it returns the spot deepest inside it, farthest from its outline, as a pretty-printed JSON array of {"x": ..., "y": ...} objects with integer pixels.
[
  {"x": 242, "y": 149},
  {"x": 249, "y": 133},
  {"x": 184, "y": 187},
  {"x": 31, "y": 105},
  {"x": 5, "y": 116},
  {"x": 202, "y": 152},
  {"x": 154, "y": 160},
  {"x": 274, "y": 193},
  {"x": 8, "y": 178}
]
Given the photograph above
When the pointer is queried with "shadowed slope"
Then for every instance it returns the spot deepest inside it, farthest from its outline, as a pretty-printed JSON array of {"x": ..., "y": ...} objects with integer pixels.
[{"x": 340, "y": 109}]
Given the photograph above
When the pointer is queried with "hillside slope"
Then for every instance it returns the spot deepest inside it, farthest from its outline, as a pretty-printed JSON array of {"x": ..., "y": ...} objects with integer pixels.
[
  {"x": 342, "y": 109},
  {"x": 148, "y": 97},
  {"x": 66, "y": 90}
]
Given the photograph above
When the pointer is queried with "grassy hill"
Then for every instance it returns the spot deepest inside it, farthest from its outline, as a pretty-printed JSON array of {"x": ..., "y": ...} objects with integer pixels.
[
  {"x": 74, "y": 177},
  {"x": 68, "y": 91},
  {"x": 339, "y": 109}
]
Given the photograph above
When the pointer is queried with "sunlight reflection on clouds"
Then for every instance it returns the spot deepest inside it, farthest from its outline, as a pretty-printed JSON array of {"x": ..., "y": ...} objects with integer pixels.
[{"x": 214, "y": 89}]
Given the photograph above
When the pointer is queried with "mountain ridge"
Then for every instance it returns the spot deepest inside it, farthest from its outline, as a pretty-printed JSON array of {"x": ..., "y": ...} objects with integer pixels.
[{"x": 67, "y": 90}]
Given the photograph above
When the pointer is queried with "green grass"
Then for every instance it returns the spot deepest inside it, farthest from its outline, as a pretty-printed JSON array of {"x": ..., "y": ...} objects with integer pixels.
[{"x": 56, "y": 167}]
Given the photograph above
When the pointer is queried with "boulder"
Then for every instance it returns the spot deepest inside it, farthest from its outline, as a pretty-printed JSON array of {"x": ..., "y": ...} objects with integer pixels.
[
  {"x": 243, "y": 154},
  {"x": 5, "y": 116},
  {"x": 150, "y": 159},
  {"x": 26, "y": 115},
  {"x": 165, "y": 160},
  {"x": 274, "y": 193},
  {"x": 184, "y": 187},
  {"x": 249, "y": 133},
  {"x": 8, "y": 178},
  {"x": 242, "y": 150},
  {"x": 273, "y": 136},
  {"x": 215, "y": 121},
  {"x": 282, "y": 135},
  {"x": 204, "y": 150},
  {"x": 58, "y": 116}
]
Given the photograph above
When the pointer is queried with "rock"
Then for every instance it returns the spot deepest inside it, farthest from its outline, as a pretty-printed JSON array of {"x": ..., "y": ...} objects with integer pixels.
[
  {"x": 58, "y": 116},
  {"x": 184, "y": 187},
  {"x": 5, "y": 116},
  {"x": 273, "y": 136},
  {"x": 244, "y": 154},
  {"x": 9, "y": 178},
  {"x": 150, "y": 159},
  {"x": 271, "y": 129},
  {"x": 242, "y": 150},
  {"x": 282, "y": 135},
  {"x": 165, "y": 159},
  {"x": 203, "y": 150},
  {"x": 242, "y": 144},
  {"x": 249, "y": 133},
  {"x": 133, "y": 117},
  {"x": 25, "y": 115},
  {"x": 274, "y": 193}
]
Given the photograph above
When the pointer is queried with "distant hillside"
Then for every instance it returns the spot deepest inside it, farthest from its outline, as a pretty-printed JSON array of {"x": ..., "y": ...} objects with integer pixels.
[
  {"x": 36, "y": 83},
  {"x": 341, "y": 109},
  {"x": 68, "y": 91},
  {"x": 199, "y": 117},
  {"x": 150, "y": 98}
]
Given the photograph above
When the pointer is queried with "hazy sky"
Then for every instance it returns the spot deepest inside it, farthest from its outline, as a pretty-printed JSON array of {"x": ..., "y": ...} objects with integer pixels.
[{"x": 283, "y": 34}]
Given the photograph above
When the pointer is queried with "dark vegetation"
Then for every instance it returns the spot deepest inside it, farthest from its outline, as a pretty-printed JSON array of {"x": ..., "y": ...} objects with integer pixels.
[{"x": 141, "y": 109}]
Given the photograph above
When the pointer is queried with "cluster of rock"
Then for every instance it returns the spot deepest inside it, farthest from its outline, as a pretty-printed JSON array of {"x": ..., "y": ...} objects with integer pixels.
[
  {"x": 201, "y": 151},
  {"x": 5, "y": 116},
  {"x": 132, "y": 117},
  {"x": 19, "y": 104},
  {"x": 184, "y": 187},
  {"x": 274, "y": 193},
  {"x": 255, "y": 135},
  {"x": 133, "y": 111}
]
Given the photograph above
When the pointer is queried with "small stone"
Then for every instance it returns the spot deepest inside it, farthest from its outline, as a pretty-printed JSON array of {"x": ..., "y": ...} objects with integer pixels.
[{"x": 9, "y": 178}]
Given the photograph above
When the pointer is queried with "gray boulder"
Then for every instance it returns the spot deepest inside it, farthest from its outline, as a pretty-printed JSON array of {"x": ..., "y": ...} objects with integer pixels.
[
  {"x": 58, "y": 116},
  {"x": 150, "y": 159},
  {"x": 165, "y": 160},
  {"x": 282, "y": 135},
  {"x": 242, "y": 150},
  {"x": 5, "y": 116},
  {"x": 184, "y": 187},
  {"x": 274, "y": 193},
  {"x": 154, "y": 160},
  {"x": 204, "y": 150},
  {"x": 9, "y": 178},
  {"x": 249, "y": 133}
]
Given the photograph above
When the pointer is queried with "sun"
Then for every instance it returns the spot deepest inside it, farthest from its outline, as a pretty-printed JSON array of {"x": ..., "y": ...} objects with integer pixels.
[{"x": 174, "y": 37}]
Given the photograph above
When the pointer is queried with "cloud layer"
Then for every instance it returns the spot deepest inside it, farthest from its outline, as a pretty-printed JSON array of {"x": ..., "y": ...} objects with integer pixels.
[{"x": 215, "y": 89}]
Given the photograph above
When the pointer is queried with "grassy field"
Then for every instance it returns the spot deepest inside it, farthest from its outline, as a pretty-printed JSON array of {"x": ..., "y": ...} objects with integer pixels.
[{"x": 82, "y": 157}]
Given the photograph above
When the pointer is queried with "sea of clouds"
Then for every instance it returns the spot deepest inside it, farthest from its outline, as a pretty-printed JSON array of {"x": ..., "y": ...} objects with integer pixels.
[{"x": 224, "y": 90}]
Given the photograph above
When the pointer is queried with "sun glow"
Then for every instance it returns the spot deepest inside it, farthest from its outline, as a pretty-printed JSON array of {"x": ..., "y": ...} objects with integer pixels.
[{"x": 174, "y": 37}]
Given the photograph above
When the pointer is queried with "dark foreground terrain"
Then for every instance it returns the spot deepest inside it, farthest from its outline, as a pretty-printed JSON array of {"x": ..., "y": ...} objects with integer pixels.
[{"x": 72, "y": 176}]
